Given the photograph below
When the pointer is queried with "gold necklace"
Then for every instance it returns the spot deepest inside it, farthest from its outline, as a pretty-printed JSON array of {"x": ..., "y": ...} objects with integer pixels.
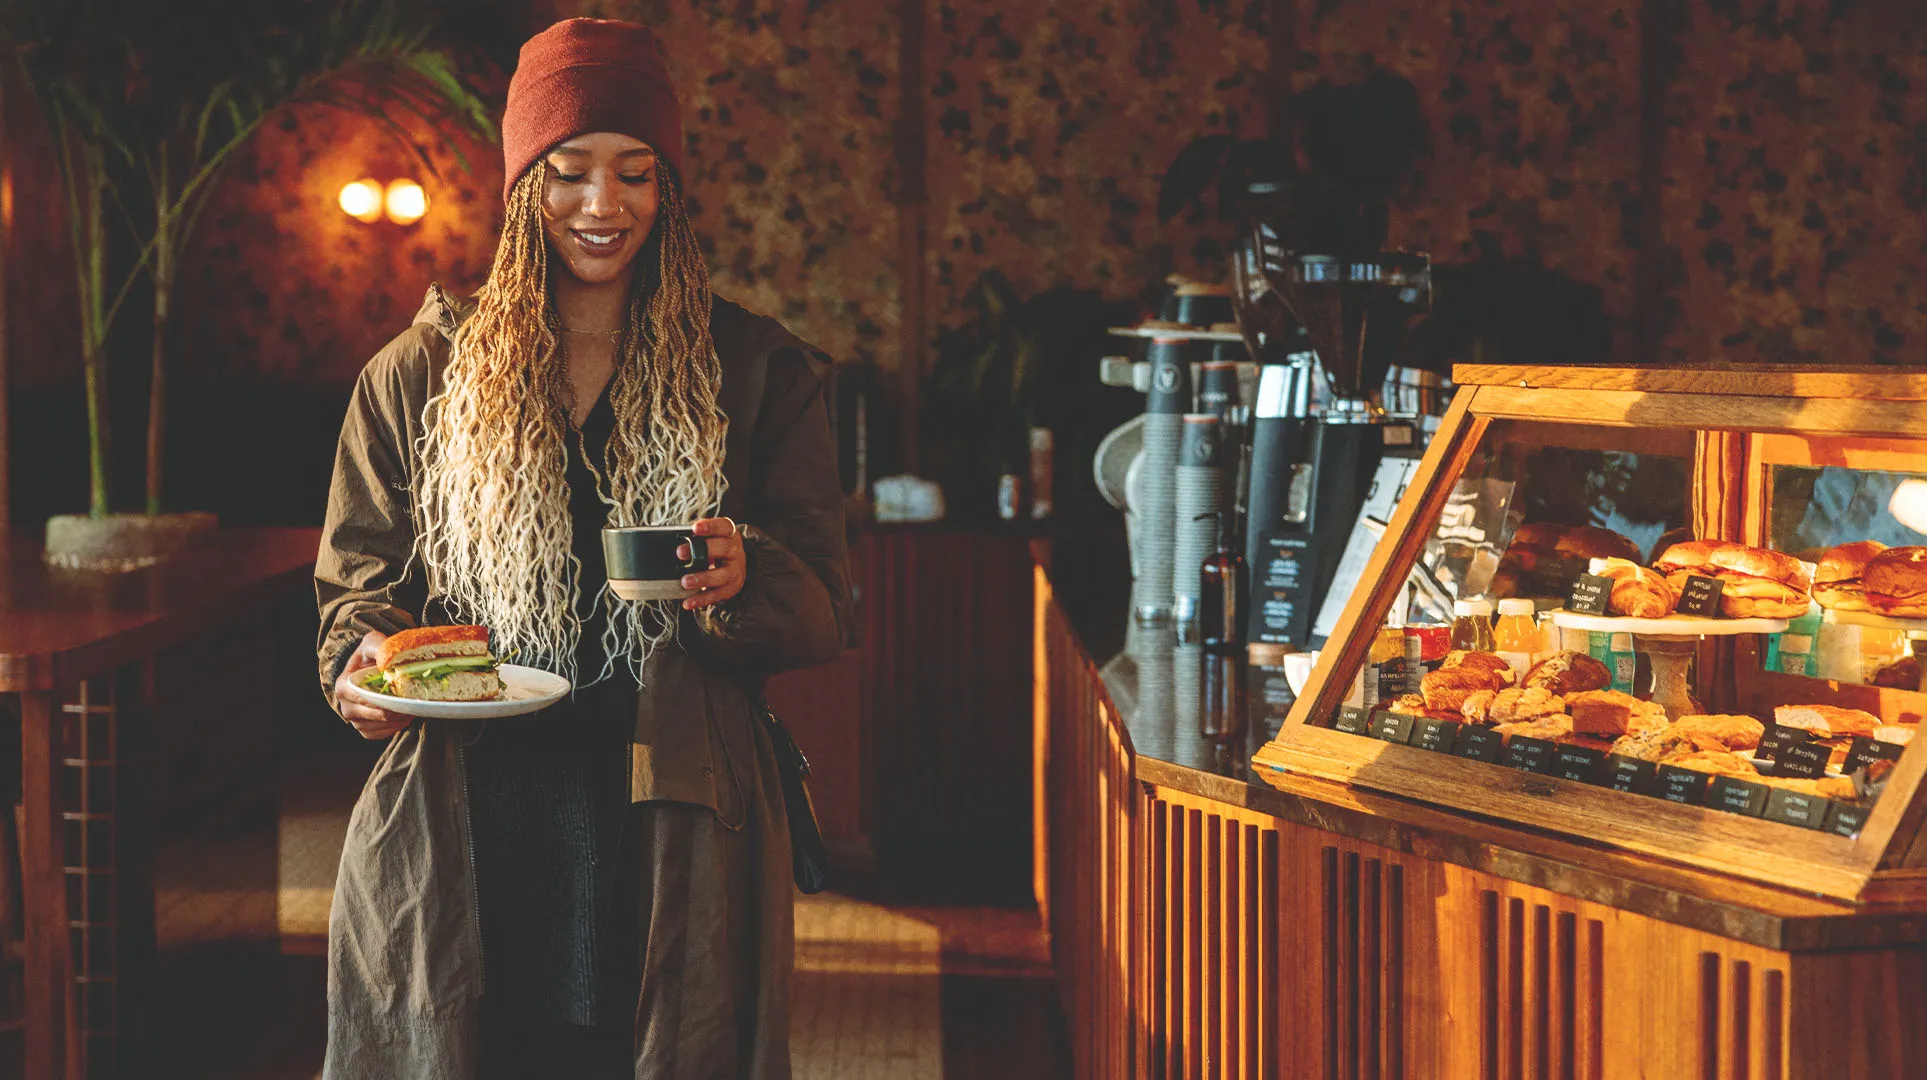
[{"x": 617, "y": 332}]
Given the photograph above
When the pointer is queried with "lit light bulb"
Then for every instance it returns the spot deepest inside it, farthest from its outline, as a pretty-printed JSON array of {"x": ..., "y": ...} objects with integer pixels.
[
  {"x": 407, "y": 202},
  {"x": 1908, "y": 504},
  {"x": 361, "y": 200}
]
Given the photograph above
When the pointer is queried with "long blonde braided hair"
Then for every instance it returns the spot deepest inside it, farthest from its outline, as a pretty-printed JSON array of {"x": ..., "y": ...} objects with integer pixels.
[{"x": 492, "y": 511}]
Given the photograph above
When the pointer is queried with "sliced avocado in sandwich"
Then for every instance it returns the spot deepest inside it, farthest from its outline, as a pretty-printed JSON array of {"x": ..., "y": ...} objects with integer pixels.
[{"x": 443, "y": 666}]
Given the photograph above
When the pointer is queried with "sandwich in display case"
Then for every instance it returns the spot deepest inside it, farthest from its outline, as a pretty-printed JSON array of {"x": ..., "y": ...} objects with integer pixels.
[{"x": 1677, "y": 612}]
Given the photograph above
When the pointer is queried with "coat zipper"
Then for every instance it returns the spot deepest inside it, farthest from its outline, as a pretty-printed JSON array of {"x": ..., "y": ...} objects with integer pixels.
[{"x": 474, "y": 887}]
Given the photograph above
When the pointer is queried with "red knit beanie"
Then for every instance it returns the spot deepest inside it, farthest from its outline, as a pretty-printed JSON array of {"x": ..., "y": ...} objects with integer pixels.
[{"x": 586, "y": 75}]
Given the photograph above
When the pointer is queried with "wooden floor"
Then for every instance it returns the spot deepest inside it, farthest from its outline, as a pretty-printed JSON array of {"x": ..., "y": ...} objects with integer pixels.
[{"x": 883, "y": 991}]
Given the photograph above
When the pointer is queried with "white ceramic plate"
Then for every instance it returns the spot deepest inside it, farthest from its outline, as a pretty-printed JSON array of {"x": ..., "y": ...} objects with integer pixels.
[{"x": 529, "y": 690}]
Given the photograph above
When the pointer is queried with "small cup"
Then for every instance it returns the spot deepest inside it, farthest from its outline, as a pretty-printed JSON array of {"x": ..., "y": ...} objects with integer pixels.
[{"x": 642, "y": 562}]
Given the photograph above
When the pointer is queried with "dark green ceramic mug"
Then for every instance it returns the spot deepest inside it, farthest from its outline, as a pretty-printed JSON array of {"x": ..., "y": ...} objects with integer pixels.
[{"x": 642, "y": 561}]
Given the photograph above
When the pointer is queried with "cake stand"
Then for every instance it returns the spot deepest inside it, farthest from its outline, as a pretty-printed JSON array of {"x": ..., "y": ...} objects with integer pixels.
[{"x": 1670, "y": 643}]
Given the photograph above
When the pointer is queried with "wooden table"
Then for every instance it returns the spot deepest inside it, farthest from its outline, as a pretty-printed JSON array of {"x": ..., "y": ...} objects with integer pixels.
[{"x": 60, "y": 632}]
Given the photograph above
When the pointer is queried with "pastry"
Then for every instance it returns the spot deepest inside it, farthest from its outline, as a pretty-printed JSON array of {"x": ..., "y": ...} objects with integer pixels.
[
  {"x": 1556, "y": 726},
  {"x": 1902, "y": 674},
  {"x": 1837, "y": 581},
  {"x": 1513, "y": 704},
  {"x": 1446, "y": 689},
  {"x": 1610, "y": 712},
  {"x": 1757, "y": 583},
  {"x": 1895, "y": 582},
  {"x": 1826, "y": 720},
  {"x": 1825, "y": 787},
  {"x": 1717, "y": 762},
  {"x": 1718, "y": 731},
  {"x": 1482, "y": 661},
  {"x": 1568, "y": 673},
  {"x": 1592, "y": 542},
  {"x": 1648, "y": 745},
  {"x": 1637, "y": 591}
]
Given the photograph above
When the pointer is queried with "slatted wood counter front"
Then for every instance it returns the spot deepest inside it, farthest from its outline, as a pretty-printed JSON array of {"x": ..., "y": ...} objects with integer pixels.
[{"x": 1205, "y": 926}]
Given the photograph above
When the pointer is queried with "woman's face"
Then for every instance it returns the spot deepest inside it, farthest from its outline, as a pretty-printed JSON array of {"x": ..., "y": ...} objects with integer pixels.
[{"x": 599, "y": 204}]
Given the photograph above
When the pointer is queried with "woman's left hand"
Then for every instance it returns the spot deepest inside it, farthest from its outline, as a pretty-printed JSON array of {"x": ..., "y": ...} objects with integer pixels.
[{"x": 729, "y": 567}]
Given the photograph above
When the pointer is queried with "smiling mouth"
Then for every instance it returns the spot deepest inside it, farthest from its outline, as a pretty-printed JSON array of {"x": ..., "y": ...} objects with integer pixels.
[{"x": 599, "y": 241}]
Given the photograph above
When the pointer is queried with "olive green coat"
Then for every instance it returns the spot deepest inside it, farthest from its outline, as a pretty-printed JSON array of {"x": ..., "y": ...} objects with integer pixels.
[{"x": 405, "y": 963}]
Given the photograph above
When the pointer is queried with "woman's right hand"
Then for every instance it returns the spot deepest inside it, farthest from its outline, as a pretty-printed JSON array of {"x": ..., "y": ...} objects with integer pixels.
[{"x": 371, "y": 722}]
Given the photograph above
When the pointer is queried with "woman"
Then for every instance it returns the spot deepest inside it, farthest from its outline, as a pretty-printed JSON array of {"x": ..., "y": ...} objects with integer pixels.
[{"x": 602, "y": 888}]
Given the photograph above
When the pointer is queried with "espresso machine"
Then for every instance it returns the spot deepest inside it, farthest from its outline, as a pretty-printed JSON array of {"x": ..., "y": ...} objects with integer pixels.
[{"x": 1312, "y": 321}]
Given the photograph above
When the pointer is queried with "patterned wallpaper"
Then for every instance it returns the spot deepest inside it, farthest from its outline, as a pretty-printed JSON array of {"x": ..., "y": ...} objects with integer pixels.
[
  {"x": 1533, "y": 115},
  {"x": 1796, "y": 189},
  {"x": 1795, "y": 170}
]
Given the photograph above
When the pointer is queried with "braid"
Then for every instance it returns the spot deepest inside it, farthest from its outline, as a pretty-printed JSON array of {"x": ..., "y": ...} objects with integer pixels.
[{"x": 493, "y": 524}]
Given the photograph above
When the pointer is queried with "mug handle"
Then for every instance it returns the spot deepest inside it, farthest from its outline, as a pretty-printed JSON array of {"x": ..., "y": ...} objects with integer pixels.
[{"x": 698, "y": 552}]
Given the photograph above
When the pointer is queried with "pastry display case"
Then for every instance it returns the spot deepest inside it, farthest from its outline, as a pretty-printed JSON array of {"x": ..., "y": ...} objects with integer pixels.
[{"x": 1681, "y": 613}]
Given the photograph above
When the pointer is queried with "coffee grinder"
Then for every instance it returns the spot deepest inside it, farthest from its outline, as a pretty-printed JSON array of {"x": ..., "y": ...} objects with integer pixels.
[{"x": 1312, "y": 460}]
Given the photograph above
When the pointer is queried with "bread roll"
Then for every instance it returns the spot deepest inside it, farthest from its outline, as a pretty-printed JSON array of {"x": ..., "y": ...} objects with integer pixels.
[
  {"x": 1826, "y": 720},
  {"x": 1568, "y": 673},
  {"x": 1689, "y": 557},
  {"x": 1717, "y": 762},
  {"x": 1837, "y": 581},
  {"x": 1756, "y": 583},
  {"x": 1895, "y": 582},
  {"x": 459, "y": 686}
]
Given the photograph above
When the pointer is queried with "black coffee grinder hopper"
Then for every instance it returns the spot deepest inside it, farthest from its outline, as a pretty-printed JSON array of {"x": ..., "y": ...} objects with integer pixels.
[{"x": 1312, "y": 462}]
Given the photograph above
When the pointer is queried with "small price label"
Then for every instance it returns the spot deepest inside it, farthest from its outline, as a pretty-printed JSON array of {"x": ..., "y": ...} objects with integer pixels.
[
  {"x": 1701, "y": 596},
  {"x": 1478, "y": 743},
  {"x": 1796, "y": 808},
  {"x": 1803, "y": 759},
  {"x": 1778, "y": 738},
  {"x": 1736, "y": 796},
  {"x": 1393, "y": 726},
  {"x": 1436, "y": 735},
  {"x": 1865, "y": 751},
  {"x": 1530, "y": 755},
  {"x": 1591, "y": 595},
  {"x": 1582, "y": 763},
  {"x": 1675, "y": 784},
  {"x": 1349, "y": 718},
  {"x": 1630, "y": 774},
  {"x": 1845, "y": 819}
]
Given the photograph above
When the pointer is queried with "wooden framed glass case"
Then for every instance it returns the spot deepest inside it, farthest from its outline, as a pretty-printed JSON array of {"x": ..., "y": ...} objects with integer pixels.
[{"x": 1625, "y": 463}]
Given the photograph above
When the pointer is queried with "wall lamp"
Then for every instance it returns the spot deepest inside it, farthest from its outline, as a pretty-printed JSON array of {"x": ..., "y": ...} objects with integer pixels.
[{"x": 403, "y": 201}]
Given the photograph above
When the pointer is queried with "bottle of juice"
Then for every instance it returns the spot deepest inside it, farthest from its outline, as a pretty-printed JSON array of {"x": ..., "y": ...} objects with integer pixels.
[
  {"x": 1517, "y": 635},
  {"x": 1472, "y": 625}
]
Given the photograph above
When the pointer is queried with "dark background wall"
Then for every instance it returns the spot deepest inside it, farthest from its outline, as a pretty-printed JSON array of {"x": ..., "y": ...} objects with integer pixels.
[{"x": 1739, "y": 179}]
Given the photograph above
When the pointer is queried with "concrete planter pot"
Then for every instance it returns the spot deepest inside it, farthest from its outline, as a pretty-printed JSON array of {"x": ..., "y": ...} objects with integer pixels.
[{"x": 122, "y": 542}]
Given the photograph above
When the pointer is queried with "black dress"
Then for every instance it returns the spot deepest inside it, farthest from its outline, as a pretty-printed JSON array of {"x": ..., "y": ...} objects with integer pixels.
[{"x": 549, "y": 798}]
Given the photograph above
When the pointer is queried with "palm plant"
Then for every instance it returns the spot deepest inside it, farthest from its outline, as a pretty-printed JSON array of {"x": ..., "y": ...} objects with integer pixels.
[{"x": 146, "y": 107}]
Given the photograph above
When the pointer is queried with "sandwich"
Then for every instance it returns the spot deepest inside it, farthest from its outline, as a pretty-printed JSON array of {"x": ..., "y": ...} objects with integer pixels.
[
  {"x": 1895, "y": 582},
  {"x": 1838, "y": 581},
  {"x": 1757, "y": 583},
  {"x": 437, "y": 663}
]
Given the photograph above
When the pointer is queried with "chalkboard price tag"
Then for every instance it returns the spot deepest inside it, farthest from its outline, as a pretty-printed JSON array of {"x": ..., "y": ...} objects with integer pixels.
[
  {"x": 1591, "y": 595},
  {"x": 1478, "y": 743},
  {"x": 1530, "y": 755},
  {"x": 1630, "y": 774},
  {"x": 1778, "y": 738},
  {"x": 1675, "y": 784},
  {"x": 1803, "y": 759},
  {"x": 1701, "y": 596},
  {"x": 1435, "y": 735},
  {"x": 1736, "y": 796},
  {"x": 1845, "y": 819},
  {"x": 1582, "y": 763},
  {"x": 1865, "y": 751},
  {"x": 1349, "y": 718},
  {"x": 1796, "y": 808},
  {"x": 1393, "y": 726}
]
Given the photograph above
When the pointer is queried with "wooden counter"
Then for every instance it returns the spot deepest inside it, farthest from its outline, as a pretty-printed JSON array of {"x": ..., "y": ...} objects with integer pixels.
[
  {"x": 77, "y": 649},
  {"x": 1208, "y": 926}
]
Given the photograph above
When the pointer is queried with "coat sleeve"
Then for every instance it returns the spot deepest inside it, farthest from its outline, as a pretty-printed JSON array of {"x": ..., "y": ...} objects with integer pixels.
[
  {"x": 362, "y": 580},
  {"x": 794, "y": 610}
]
